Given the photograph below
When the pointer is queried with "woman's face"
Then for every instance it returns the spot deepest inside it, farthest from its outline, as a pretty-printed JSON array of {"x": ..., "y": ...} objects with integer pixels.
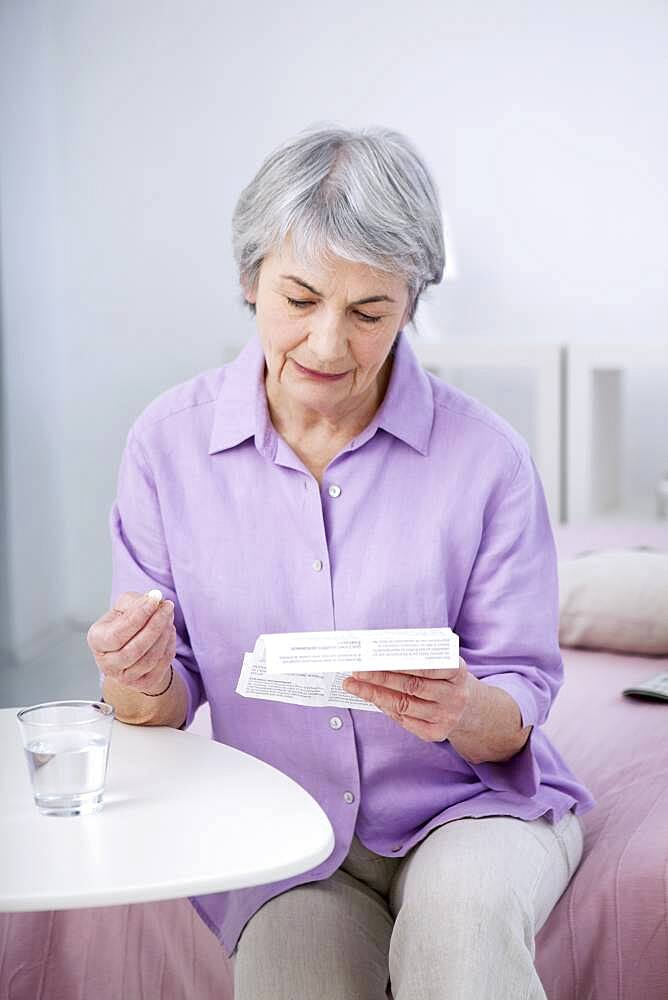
[{"x": 324, "y": 342}]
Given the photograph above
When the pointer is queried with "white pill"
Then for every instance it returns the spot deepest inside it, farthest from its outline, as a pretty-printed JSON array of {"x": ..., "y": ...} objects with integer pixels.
[{"x": 155, "y": 594}]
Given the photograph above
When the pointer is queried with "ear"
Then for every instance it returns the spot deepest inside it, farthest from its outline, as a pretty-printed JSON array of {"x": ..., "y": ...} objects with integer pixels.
[
  {"x": 404, "y": 318},
  {"x": 248, "y": 293}
]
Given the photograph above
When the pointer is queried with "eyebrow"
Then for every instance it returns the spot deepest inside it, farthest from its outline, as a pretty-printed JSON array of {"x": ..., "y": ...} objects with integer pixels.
[{"x": 359, "y": 302}]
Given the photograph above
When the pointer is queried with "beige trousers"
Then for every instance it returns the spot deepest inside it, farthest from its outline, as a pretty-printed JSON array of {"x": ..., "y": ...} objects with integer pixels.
[{"x": 454, "y": 919}]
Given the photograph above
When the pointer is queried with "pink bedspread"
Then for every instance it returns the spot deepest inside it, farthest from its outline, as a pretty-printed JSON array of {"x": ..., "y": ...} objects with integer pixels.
[{"x": 607, "y": 938}]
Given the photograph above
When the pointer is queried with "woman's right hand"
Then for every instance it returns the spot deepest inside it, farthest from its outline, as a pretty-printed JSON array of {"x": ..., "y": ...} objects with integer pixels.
[{"x": 134, "y": 643}]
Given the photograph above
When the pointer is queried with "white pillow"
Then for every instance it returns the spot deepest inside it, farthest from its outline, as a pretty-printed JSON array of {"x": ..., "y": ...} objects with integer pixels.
[{"x": 615, "y": 599}]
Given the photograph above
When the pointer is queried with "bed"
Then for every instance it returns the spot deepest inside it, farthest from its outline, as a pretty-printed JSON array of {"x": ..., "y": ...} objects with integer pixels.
[{"x": 607, "y": 938}]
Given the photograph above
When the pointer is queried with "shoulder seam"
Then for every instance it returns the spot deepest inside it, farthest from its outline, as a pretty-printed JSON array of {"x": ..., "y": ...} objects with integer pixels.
[
  {"x": 174, "y": 413},
  {"x": 182, "y": 409},
  {"x": 473, "y": 416}
]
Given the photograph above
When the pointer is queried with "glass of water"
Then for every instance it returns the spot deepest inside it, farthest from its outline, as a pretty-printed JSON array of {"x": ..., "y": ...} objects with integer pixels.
[{"x": 66, "y": 745}]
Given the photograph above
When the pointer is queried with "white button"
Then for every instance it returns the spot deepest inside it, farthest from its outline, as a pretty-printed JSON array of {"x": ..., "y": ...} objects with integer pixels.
[
  {"x": 317, "y": 565},
  {"x": 335, "y": 722},
  {"x": 349, "y": 797},
  {"x": 334, "y": 491}
]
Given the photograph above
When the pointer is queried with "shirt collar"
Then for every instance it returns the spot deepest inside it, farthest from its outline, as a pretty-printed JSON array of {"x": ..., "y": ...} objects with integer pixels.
[
  {"x": 241, "y": 411},
  {"x": 407, "y": 409},
  {"x": 241, "y": 408}
]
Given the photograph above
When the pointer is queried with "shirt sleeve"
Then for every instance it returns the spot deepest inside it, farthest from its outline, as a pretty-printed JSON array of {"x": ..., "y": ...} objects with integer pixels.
[
  {"x": 508, "y": 625},
  {"x": 140, "y": 558}
]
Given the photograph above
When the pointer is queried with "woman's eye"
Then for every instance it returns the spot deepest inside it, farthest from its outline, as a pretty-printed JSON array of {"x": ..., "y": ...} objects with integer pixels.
[{"x": 301, "y": 303}]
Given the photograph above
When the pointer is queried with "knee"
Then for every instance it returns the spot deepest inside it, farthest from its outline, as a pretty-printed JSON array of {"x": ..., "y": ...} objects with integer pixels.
[{"x": 464, "y": 903}]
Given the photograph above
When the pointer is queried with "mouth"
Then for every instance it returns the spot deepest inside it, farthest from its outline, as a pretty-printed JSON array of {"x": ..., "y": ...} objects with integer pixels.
[{"x": 318, "y": 375}]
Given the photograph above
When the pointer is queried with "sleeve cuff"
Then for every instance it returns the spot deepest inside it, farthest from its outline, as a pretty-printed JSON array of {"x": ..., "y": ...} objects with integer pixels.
[
  {"x": 194, "y": 693},
  {"x": 521, "y": 773},
  {"x": 517, "y": 688}
]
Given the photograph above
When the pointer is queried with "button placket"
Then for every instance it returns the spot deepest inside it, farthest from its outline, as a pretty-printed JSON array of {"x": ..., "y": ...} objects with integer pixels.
[{"x": 313, "y": 535}]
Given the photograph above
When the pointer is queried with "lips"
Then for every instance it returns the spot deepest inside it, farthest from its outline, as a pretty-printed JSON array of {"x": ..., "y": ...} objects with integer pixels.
[{"x": 320, "y": 376}]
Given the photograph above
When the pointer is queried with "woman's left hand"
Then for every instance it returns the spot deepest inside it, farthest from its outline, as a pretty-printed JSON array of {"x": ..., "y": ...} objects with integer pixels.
[{"x": 429, "y": 703}]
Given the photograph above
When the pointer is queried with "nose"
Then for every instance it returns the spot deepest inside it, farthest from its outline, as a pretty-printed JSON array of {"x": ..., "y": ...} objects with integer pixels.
[{"x": 328, "y": 342}]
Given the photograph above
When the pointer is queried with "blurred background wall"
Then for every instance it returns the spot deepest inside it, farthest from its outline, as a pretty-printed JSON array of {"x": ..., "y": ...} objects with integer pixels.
[{"x": 128, "y": 130}]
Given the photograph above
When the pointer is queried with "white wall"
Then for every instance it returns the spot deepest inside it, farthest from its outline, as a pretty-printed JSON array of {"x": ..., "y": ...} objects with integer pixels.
[
  {"x": 543, "y": 125},
  {"x": 34, "y": 600}
]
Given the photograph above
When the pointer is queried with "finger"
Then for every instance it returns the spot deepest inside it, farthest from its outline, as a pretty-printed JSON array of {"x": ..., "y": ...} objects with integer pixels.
[
  {"x": 162, "y": 620},
  {"x": 153, "y": 662},
  {"x": 447, "y": 674},
  {"x": 420, "y": 684},
  {"x": 115, "y": 628},
  {"x": 162, "y": 658},
  {"x": 428, "y": 731},
  {"x": 395, "y": 702},
  {"x": 127, "y": 599},
  {"x": 158, "y": 625},
  {"x": 453, "y": 675}
]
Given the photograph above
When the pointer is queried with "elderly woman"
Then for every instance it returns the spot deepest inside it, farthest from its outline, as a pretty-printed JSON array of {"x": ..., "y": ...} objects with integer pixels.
[{"x": 324, "y": 480}]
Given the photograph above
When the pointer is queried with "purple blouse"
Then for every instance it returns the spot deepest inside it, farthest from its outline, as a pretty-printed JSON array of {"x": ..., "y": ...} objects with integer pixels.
[{"x": 440, "y": 520}]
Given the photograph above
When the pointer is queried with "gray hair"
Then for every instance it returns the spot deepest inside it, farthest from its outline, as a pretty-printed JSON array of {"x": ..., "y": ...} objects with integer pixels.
[{"x": 364, "y": 195}]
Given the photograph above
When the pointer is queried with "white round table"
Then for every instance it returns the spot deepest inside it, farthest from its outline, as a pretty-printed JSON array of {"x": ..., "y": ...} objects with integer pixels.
[{"x": 182, "y": 815}]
